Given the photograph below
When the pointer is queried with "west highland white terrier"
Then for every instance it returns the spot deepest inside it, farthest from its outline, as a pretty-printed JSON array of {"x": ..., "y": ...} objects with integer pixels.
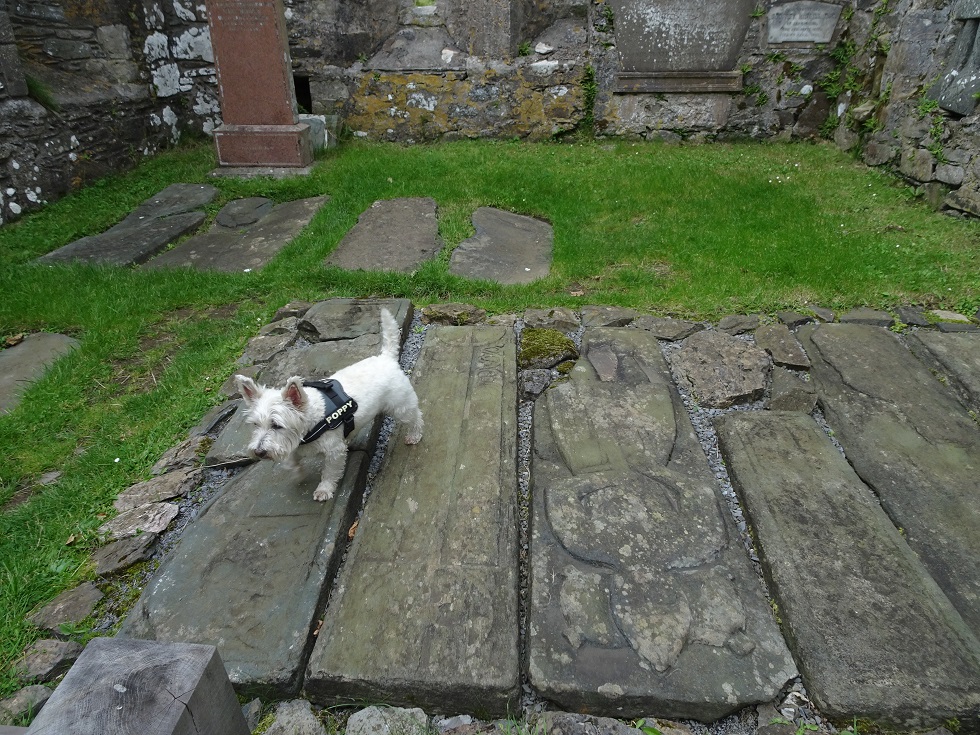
[{"x": 285, "y": 418}]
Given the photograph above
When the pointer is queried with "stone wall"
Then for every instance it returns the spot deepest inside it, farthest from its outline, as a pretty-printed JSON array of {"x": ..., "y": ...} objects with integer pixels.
[
  {"x": 892, "y": 80},
  {"x": 87, "y": 88}
]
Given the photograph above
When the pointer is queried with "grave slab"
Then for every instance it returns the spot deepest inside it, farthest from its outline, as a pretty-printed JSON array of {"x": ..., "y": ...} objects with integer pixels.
[
  {"x": 643, "y": 599},
  {"x": 250, "y": 572},
  {"x": 955, "y": 356},
  {"x": 722, "y": 370},
  {"x": 160, "y": 220},
  {"x": 126, "y": 245},
  {"x": 24, "y": 363},
  {"x": 874, "y": 635},
  {"x": 508, "y": 248},
  {"x": 425, "y": 609},
  {"x": 392, "y": 235},
  {"x": 232, "y": 251},
  {"x": 909, "y": 438}
]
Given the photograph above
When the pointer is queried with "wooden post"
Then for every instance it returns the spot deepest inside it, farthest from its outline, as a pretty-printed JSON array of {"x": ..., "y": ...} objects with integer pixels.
[{"x": 122, "y": 686}]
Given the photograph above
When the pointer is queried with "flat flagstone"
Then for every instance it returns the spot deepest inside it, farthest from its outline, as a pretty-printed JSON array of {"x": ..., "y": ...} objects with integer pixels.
[
  {"x": 164, "y": 487},
  {"x": 778, "y": 341},
  {"x": 909, "y": 438},
  {"x": 71, "y": 606},
  {"x": 392, "y": 235},
  {"x": 722, "y": 370},
  {"x": 956, "y": 357},
  {"x": 643, "y": 599},
  {"x": 24, "y": 363},
  {"x": 425, "y": 608},
  {"x": 249, "y": 574},
  {"x": 157, "y": 222},
  {"x": 874, "y": 635},
  {"x": 233, "y": 250},
  {"x": 149, "y": 518},
  {"x": 507, "y": 248}
]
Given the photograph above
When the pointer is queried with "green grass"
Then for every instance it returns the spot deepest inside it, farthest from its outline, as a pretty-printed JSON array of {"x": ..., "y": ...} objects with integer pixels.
[{"x": 692, "y": 231}]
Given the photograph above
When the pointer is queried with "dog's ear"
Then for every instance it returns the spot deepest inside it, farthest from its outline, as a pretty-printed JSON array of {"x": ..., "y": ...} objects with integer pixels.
[
  {"x": 248, "y": 388},
  {"x": 294, "y": 393}
]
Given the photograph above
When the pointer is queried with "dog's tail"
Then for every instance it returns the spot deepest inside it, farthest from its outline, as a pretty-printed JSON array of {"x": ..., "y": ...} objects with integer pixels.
[{"x": 390, "y": 335}]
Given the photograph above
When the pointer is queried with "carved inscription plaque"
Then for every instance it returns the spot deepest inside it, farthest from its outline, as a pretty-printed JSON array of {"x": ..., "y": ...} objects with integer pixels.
[{"x": 803, "y": 22}]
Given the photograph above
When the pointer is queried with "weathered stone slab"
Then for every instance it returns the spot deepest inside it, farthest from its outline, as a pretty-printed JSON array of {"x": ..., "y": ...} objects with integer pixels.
[
  {"x": 171, "y": 485},
  {"x": 873, "y": 634},
  {"x": 779, "y": 342},
  {"x": 148, "y": 229},
  {"x": 392, "y": 235},
  {"x": 46, "y": 660},
  {"x": 250, "y": 572},
  {"x": 871, "y": 317},
  {"x": 722, "y": 370},
  {"x": 507, "y": 248},
  {"x": 243, "y": 212},
  {"x": 122, "y": 554},
  {"x": 338, "y": 319},
  {"x": 643, "y": 600},
  {"x": 671, "y": 330},
  {"x": 607, "y": 316},
  {"x": 149, "y": 518},
  {"x": 739, "y": 323},
  {"x": 561, "y": 318},
  {"x": 907, "y": 437},
  {"x": 956, "y": 356},
  {"x": 24, "y": 363},
  {"x": 453, "y": 314},
  {"x": 71, "y": 606},
  {"x": 232, "y": 251},
  {"x": 425, "y": 610},
  {"x": 790, "y": 393},
  {"x": 912, "y": 316}
]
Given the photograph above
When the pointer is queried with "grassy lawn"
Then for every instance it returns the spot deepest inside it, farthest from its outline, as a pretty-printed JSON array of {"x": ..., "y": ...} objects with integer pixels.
[{"x": 691, "y": 231}]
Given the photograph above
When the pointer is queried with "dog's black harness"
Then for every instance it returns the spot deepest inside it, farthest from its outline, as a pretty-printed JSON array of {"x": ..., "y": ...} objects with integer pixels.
[{"x": 339, "y": 409}]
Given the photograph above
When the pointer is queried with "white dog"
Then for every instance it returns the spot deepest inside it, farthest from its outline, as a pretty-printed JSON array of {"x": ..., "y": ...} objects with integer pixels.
[{"x": 297, "y": 414}]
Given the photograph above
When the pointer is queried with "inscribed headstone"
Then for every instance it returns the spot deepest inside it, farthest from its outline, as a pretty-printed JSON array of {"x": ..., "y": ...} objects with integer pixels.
[
  {"x": 258, "y": 103},
  {"x": 803, "y": 22}
]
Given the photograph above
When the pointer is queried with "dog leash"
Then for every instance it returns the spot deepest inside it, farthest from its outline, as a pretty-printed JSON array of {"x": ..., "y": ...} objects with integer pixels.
[{"x": 340, "y": 409}]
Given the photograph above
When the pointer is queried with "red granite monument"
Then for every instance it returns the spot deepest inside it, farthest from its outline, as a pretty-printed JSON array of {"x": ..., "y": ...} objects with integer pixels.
[{"x": 258, "y": 104}]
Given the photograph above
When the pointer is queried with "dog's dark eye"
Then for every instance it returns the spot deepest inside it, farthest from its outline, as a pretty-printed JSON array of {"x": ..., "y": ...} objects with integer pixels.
[{"x": 276, "y": 426}]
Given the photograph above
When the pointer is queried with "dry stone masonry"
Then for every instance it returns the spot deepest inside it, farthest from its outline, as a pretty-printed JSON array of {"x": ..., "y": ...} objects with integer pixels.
[{"x": 894, "y": 80}]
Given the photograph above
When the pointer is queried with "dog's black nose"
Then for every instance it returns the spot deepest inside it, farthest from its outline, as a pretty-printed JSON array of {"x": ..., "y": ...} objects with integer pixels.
[{"x": 261, "y": 453}]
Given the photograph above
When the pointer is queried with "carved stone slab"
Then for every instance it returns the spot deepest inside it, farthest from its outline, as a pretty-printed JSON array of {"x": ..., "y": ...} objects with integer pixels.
[
  {"x": 874, "y": 635},
  {"x": 425, "y": 608},
  {"x": 643, "y": 599},
  {"x": 803, "y": 22}
]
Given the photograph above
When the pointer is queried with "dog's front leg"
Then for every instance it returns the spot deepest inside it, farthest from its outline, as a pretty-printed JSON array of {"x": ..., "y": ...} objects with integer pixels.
[{"x": 334, "y": 463}]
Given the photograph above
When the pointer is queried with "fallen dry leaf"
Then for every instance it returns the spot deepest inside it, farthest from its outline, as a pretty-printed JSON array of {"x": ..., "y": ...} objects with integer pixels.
[
  {"x": 14, "y": 339},
  {"x": 71, "y": 540},
  {"x": 352, "y": 531}
]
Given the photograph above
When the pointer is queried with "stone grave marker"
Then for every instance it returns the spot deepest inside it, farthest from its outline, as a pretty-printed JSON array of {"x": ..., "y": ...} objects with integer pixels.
[
  {"x": 258, "y": 103},
  {"x": 680, "y": 45},
  {"x": 805, "y": 22}
]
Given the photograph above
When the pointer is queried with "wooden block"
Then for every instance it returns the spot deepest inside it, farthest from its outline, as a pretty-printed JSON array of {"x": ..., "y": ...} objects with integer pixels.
[{"x": 121, "y": 686}]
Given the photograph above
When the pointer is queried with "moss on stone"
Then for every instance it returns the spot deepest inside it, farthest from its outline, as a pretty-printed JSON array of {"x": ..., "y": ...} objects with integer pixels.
[{"x": 544, "y": 348}]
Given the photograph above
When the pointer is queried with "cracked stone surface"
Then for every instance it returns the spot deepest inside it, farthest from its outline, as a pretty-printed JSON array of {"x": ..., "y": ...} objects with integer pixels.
[
  {"x": 909, "y": 439},
  {"x": 643, "y": 600},
  {"x": 508, "y": 248},
  {"x": 159, "y": 221},
  {"x": 722, "y": 370},
  {"x": 24, "y": 363},
  {"x": 425, "y": 608},
  {"x": 247, "y": 247},
  {"x": 248, "y": 576},
  {"x": 956, "y": 356},
  {"x": 873, "y": 632},
  {"x": 391, "y": 235}
]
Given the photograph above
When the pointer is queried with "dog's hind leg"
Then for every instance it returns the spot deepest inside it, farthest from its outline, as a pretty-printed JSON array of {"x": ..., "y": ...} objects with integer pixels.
[{"x": 412, "y": 416}]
